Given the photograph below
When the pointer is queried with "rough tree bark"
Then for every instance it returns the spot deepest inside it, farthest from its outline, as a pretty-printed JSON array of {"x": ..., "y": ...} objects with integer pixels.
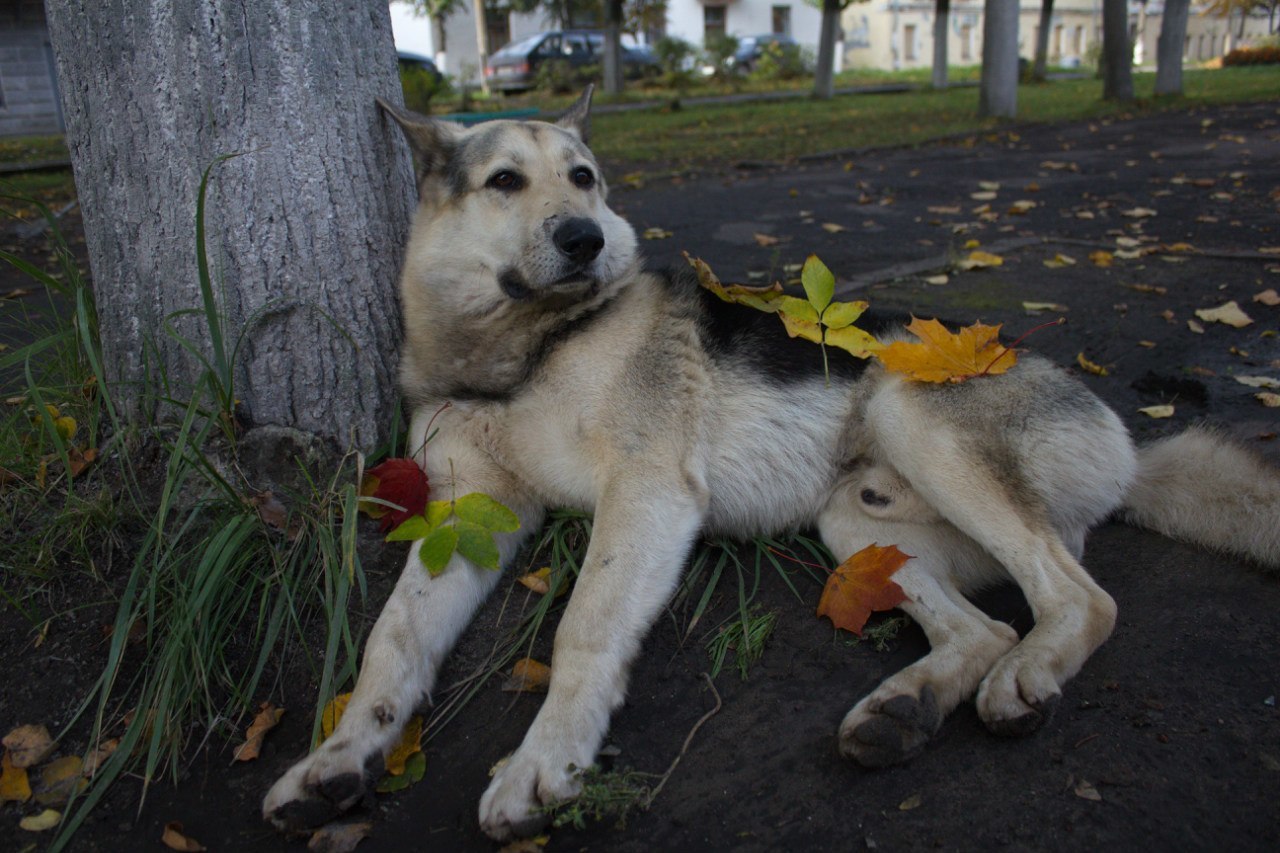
[
  {"x": 1041, "y": 65},
  {"x": 1173, "y": 33},
  {"x": 941, "y": 23},
  {"x": 613, "y": 68},
  {"x": 304, "y": 228},
  {"x": 998, "y": 88},
  {"x": 824, "y": 73},
  {"x": 1117, "y": 55}
]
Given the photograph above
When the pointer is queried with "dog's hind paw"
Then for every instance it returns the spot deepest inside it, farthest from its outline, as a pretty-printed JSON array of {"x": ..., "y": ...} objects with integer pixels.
[
  {"x": 878, "y": 733},
  {"x": 319, "y": 788},
  {"x": 515, "y": 803},
  {"x": 1016, "y": 700}
]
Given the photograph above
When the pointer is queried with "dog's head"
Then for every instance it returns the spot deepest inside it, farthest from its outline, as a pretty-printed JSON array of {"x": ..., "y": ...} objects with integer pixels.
[{"x": 512, "y": 210}]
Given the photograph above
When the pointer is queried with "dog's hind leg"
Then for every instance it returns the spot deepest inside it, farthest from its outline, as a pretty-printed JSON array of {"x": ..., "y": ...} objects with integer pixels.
[
  {"x": 417, "y": 628},
  {"x": 895, "y": 721},
  {"x": 1073, "y": 615},
  {"x": 643, "y": 531}
]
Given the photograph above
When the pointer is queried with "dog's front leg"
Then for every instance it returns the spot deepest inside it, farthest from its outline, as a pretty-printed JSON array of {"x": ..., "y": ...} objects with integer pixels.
[{"x": 642, "y": 535}]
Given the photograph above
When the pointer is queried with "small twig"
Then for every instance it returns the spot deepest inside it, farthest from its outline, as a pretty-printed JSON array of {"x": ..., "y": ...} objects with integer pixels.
[
  {"x": 1085, "y": 740},
  {"x": 653, "y": 794},
  {"x": 797, "y": 560}
]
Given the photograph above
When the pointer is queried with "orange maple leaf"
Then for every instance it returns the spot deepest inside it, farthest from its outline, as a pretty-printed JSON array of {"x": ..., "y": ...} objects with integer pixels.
[
  {"x": 860, "y": 585},
  {"x": 941, "y": 356}
]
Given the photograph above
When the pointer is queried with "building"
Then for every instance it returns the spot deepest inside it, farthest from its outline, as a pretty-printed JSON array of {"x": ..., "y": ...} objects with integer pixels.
[{"x": 29, "y": 101}]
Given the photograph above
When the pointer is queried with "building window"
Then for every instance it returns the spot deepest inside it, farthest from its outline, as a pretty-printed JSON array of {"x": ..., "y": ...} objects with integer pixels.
[
  {"x": 498, "y": 24},
  {"x": 712, "y": 23},
  {"x": 1077, "y": 42},
  {"x": 782, "y": 20},
  {"x": 1056, "y": 50},
  {"x": 966, "y": 43},
  {"x": 909, "y": 42}
]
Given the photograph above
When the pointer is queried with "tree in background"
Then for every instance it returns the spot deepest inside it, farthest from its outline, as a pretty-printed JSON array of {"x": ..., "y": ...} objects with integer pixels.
[
  {"x": 941, "y": 24},
  {"x": 1173, "y": 33},
  {"x": 1117, "y": 52},
  {"x": 824, "y": 71},
  {"x": 998, "y": 88},
  {"x": 1041, "y": 64},
  {"x": 304, "y": 228}
]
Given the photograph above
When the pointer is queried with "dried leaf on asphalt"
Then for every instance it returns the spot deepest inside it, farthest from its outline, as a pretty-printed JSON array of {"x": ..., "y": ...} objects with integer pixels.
[
  {"x": 1086, "y": 791},
  {"x": 528, "y": 676},
  {"x": 765, "y": 239},
  {"x": 1269, "y": 399},
  {"x": 937, "y": 279},
  {"x": 1195, "y": 327},
  {"x": 860, "y": 585},
  {"x": 1258, "y": 381},
  {"x": 1101, "y": 258},
  {"x": 1091, "y": 367},
  {"x": 267, "y": 718},
  {"x": 833, "y": 227},
  {"x": 1157, "y": 411},
  {"x": 1267, "y": 297},
  {"x": 1148, "y": 288},
  {"x": 28, "y": 745},
  {"x": 1039, "y": 307},
  {"x": 15, "y": 787},
  {"x": 1138, "y": 212},
  {"x": 1059, "y": 261},
  {"x": 979, "y": 259},
  {"x": 911, "y": 802},
  {"x": 339, "y": 837},
  {"x": 47, "y": 819},
  {"x": 174, "y": 839},
  {"x": 656, "y": 234},
  {"x": 1227, "y": 312}
]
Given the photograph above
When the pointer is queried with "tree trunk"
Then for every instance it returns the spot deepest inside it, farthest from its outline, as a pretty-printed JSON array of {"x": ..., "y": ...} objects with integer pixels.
[
  {"x": 1173, "y": 34},
  {"x": 941, "y": 24},
  {"x": 482, "y": 45},
  {"x": 304, "y": 228},
  {"x": 613, "y": 47},
  {"x": 1117, "y": 56},
  {"x": 998, "y": 89},
  {"x": 1042, "y": 40},
  {"x": 824, "y": 74}
]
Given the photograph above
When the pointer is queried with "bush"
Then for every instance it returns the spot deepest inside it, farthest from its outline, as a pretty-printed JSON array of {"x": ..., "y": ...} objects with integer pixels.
[
  {"x": 1266, "y": 54},
  {"x": 420, "y": 86},
  {"x": 780, "y": 62},
  {"x": 717, "y": 52},
  {"x": 559, "y": 77}
]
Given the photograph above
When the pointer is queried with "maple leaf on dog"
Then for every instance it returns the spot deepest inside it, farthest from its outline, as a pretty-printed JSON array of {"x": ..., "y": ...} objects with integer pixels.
[
  {"x": 861, "y": 585},
  {"x": 941, "y": 356},
  {"x": 397, "y": 481}
]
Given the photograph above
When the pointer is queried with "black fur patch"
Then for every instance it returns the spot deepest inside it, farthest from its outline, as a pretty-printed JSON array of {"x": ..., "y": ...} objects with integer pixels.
[{"x": 740, "y": 335}]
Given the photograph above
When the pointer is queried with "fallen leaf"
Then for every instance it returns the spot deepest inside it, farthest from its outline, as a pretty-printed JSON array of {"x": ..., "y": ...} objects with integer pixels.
[
  {"x": 1228, "y": 313},
  {"x": 937, "y": 279},
  {"x": 1059, "y": 261},
  {"x": 1195, "y": 327},
  {"x": 539, "y": 581},
  {"x": 528, "y": 676},
  {"x": 410, "y": 743},
  {"x": 941, "y": 356},
  {"x": 28, "y": 745},
  {"x": 983, "y": 196},
  {"x": 331, "y": 715},
  {"x": 15, "y": 787},
  {"x": 60, "y": 779},
  {"x": 1267, "y": 297},
  {"x": 47, "y": 819},
  {"x": 1090, "y": 367},
  {"x": 1148, "y": 288},
  {"x": 174, "y": 839},
  {"x": 339, "y": 837},
  {"x": 1258, "y": 381},
  {"x": 1180, "y": 247},
  {"x": 1131, "y": 254},
  {"x": 1128, "y": 243},
  {"x": 1157, "y": 411},
  {"x": 16, "y": 293},
  {"x": 1038, "y": 307},
  {"x": 79, "y": 459},
  {"x": 833, "y": 227},
  {"x": 971, "y": 244},
  {"x": 944, "y": 210},
  {"x": 656, "y": 234},
  {"x": 979, "y": 259},
  {"x": 1059, "y": 166},
  {"x": 415, "y": 767},
  {"x": 1101, "y": 258},
  {"x": 765, "y": 239},
  {"x": 267, "y": 718},
  {"x": 1021, "y": 207},
  {"x": 1147, "y": 344},
  {"x": 1085, "y": 214},
  {"x": 1086, "y": 791},
  {"x": 526, "y": 845},
  {"x": 98, "y": 756},
  {"x": 1138, "y": 213},
  {"x": 989, "y": 186},
  {"x": 911, "y": 802},
  {"x": 1269, "y": 250},
  {"x": 1269, "y": 399},
  {"x": 860, "y": 585},
  {"x": 401, "y": 482}
]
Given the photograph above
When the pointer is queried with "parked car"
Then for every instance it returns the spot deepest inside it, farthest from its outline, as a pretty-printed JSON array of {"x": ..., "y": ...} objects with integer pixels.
[
  {"x": 751, "y": 48},
  {"x": 515, "y": 66},
  {"x": 417, "y": 60}
]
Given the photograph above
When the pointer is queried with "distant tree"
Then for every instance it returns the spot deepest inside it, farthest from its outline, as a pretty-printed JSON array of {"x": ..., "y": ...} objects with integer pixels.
[
  {"x": 998, "y": 89},
  {"x": 941, "y": 23},
  {"x": 1173, "y": 32},
  {"x": 1117, "y": 52},
  {"x": 1041, "y": 64},
  {"x": 824, "y": 73},
  {"x": 613, "y": 22},
  {"x": 646, "y": 18}
]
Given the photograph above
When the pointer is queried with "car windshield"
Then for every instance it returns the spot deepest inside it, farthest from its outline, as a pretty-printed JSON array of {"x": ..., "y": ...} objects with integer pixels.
[{"x": 520, "y": 48}]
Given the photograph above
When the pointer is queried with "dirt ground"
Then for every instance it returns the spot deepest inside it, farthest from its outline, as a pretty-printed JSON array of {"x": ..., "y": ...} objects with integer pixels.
[{"x": 1173, "y": 722}]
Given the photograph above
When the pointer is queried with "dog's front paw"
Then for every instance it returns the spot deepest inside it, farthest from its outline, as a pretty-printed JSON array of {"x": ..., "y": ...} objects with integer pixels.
[
  {"x": 321, "y": 786},
  {"x": 880, "y": 732},
  {"x": 1017, "y": 696},
  {"x": 514, "y": 804}
]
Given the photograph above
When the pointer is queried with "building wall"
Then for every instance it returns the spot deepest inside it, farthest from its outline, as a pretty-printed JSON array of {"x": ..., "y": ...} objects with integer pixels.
[
  {"x": 686, "y": 19},
  {"x": 28, "y": 87}
]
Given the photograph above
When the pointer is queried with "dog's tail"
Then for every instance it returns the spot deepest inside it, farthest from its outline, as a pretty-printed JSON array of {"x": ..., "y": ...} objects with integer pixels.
[{"x": 1202, "y": 488}]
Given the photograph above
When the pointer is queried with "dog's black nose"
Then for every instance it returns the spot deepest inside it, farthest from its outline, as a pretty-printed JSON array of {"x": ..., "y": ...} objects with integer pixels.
[{"x": 580, "y": 239}]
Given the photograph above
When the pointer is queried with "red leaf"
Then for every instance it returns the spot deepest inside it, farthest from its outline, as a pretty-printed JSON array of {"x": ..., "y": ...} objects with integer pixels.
[
  {"x": 401, "y": 482},
  {"x": 860, "y": 585}
]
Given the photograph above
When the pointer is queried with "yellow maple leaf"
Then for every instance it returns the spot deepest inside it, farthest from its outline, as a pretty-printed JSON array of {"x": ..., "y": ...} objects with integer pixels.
[
  {"x": 979, "y": 259},
  {"x": 941, "y": 356}
]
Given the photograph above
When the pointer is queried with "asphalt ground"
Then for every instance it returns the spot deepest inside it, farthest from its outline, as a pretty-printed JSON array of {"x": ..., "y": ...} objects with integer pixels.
[{"x": 1169, "y": 738}]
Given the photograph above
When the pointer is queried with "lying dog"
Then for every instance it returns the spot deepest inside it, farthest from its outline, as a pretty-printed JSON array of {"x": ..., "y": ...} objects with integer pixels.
[{"x": 577, "y": 380}]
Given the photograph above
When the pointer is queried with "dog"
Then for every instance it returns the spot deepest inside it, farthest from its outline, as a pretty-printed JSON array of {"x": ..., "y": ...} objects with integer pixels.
[{"x": 576, "y": 378}]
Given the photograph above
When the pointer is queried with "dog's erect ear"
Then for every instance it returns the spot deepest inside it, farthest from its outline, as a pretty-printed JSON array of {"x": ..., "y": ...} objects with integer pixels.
[
  {"x": 432, "y": 141},
  {"x": 577, "y": 118}
]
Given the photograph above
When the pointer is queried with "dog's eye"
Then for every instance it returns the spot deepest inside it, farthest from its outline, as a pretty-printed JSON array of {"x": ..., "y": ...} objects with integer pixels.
[
  {"x": 583, "y": 178},
  {"x": 505, "y": 180}
]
